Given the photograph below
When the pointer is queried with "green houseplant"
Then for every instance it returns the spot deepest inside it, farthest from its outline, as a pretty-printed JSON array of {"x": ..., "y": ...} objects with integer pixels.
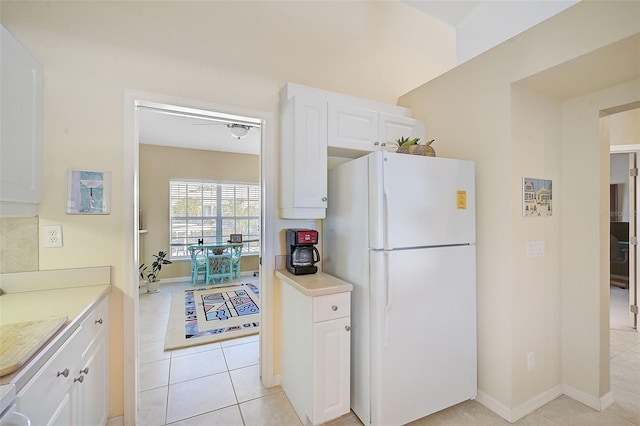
[
  {"x": 414, "y": 147},
  {"x": 151, "y": 277}
]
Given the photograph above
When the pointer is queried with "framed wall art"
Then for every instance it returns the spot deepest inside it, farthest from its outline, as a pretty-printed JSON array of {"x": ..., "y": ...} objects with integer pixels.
[
  {"x": 235, "y": 238},
  {"x": 537, "y": 197},
  {"x": 88, "y": 192}
]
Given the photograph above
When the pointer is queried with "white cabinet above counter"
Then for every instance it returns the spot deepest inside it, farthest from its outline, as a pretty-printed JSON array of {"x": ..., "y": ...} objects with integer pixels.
[
  {"x": 316, "y": 124},
  {"x": 21, "y": 96}
]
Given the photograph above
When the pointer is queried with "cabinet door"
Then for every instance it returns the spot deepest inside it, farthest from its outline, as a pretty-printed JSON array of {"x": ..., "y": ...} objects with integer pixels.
[
  {"x": 331, "y": 377},
  {"x": 21, "y": 90},
  {"x": 351, "y": 128},
  {"x": 393, "y": 127},
  {"x": 63, "y": 414},
  {"x": 92, "y": 392},
  {"x": 304, "y": 158}
]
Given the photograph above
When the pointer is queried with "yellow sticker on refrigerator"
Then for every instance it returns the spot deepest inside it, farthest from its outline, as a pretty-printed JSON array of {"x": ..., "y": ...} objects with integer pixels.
[{"x": 462, "y": 200}]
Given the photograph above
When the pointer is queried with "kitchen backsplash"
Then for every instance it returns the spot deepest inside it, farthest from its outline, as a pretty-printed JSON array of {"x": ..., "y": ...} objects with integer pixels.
[{"x": 18, "y": 244}]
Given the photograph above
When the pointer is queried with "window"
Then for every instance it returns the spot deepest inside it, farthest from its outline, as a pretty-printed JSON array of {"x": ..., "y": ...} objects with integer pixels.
[{"x": 210, "y": 211}]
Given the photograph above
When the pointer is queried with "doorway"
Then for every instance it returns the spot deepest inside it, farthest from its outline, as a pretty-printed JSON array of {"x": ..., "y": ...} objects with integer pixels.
[
  {"x": 622, "y": 228},
  {"x": 133, "y": 101},
  {"x": 624, "y": 199}
]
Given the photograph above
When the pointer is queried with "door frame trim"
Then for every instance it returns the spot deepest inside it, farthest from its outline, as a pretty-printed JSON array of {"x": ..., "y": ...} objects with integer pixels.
[{"x": 131, "y": 237}]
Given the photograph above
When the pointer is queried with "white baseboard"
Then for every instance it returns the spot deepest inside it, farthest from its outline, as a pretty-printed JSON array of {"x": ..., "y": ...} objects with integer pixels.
[
  {"x": 115, "y": 421},
  {"x": 183, "y": 279},
  {"x": 588, "y": 400},
  {"x": 523, "y": 410},
  {"x": 494, "y": 405},
  {"x": 534, "y": 403}
]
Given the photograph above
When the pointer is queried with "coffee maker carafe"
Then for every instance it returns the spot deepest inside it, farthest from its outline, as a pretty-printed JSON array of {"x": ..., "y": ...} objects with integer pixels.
[{"x": 302, "y": 255}]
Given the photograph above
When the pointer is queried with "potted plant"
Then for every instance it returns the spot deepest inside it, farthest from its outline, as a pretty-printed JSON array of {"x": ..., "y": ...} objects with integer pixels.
[
  {"x": 414, "y": 147},
  {"x": 151, "y": 277}
]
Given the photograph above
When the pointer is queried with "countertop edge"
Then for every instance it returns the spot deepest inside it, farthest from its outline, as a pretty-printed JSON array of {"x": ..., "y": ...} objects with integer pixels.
[
  {"x": 312, "y": 285},
  {"x": 28, "y": 370}
]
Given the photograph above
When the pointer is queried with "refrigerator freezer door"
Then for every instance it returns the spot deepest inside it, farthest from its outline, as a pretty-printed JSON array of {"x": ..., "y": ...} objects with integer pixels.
[
  {"x": 423, "y": 332},
  {"x": 420, "y": 201}
]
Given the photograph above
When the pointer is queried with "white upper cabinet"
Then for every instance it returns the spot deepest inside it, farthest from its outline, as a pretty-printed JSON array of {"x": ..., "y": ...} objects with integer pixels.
[
  {"x": 355, "y": 130},
  {"x": 21, "y": 87},
  {"x": 315, "y": 124},
  {"x": 303, "y": 176},
  {"x": 392, "y": 127},
  {"x": 351, "y": 128}
]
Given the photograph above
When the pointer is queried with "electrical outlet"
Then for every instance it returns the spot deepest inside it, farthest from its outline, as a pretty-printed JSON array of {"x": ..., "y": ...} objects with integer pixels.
[
  {"x": 52, "y": 236},
  {"x": 531, "y": 361}
]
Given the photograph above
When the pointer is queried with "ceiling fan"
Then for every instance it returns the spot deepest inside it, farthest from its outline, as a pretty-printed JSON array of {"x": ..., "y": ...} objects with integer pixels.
[{"x": 238, "y": 130}]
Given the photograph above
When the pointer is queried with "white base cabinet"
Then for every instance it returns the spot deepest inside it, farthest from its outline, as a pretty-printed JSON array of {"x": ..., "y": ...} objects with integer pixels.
[
  {"x": 316, "y": 351},
  {"x": 72, "y": 387}
]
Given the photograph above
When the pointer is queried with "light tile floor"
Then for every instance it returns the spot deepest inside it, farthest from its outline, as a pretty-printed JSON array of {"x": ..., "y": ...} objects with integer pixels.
[{"x": 218, "y": 384}]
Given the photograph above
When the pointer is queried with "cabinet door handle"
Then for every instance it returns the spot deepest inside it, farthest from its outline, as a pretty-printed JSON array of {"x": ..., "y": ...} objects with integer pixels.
[
  {"x": 324, "y": 198},
  {"x": 84, "y": 370},
  {"x": 64, "y": 373},
  {"x": 376, "y": 143},
  {"x": 98, "y": 321},
  {"x": 334, "y": 308},
  {"x": 79, "y": 379},
  {"x": 347, "y": 327}
]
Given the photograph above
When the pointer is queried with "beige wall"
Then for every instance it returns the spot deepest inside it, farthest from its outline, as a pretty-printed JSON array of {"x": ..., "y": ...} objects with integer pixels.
[
  {"x": 625, "y": 127},
  {"x": 554, "y": 306},
  {"x": 93, "y": 51},
  {"x": 160, "y": 164}
]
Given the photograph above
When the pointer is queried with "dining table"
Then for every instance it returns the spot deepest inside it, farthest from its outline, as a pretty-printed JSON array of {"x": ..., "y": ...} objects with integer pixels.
[{"x": 221, "y": 261}]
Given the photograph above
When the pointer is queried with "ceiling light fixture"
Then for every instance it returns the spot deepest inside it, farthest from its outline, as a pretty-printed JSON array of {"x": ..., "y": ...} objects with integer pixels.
[{"x": 238, "y": 130}]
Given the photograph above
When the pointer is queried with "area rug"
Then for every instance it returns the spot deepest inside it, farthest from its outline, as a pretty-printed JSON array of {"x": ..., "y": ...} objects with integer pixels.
[{"x": 211, "y": 314}]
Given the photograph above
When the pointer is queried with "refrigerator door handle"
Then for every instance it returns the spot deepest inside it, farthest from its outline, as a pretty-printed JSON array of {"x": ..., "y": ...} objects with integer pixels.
[
  {"x": 387, "y": 303},
  {"x": 385, "y": 218}
]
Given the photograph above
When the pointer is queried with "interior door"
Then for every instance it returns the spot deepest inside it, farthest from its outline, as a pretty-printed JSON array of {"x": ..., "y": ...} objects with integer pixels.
[{"x": 633, "y": 239}]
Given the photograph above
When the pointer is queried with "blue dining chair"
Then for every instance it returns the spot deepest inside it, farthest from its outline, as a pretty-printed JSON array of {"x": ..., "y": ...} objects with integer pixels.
[{"x": 198, "y": 264}]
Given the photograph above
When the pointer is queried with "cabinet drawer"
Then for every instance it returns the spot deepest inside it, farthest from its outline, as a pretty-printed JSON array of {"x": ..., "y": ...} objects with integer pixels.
[
  {"x": 42, "y": 395},
  {"x": 94, "y": 324},
  {"x": 331, "y": 306}
]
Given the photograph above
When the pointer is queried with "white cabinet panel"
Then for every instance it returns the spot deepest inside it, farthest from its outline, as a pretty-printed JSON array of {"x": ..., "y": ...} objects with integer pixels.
[
  {"x": 316, "y": 355},
  {"x": 331, "y": 350},
  {"x": 351, "y": 128},
  {"x": 21, "y": 88},
  {"x": 304, "y": 159},
  {"x": 72, "y": 387},
  {"x": 393, "y": 127}
]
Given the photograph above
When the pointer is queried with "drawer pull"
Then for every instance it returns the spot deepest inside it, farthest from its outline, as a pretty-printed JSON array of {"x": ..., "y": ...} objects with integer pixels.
[
  {"x": 79, "y": 379},
  {"x": 348, "y": 328},
  {"x": 84, "y": 370},
  {"x": 99, "y": 321},
  {"x": 64, "y": 373},
  {"x": 334, "y": 308}
]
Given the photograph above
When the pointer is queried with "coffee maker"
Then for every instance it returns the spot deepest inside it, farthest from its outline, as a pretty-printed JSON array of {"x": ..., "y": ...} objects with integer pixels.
[{"x": 302, "y": 255}]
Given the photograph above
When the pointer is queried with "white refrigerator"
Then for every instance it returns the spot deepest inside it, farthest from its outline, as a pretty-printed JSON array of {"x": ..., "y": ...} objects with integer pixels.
[{"x": 401, "y": 229}]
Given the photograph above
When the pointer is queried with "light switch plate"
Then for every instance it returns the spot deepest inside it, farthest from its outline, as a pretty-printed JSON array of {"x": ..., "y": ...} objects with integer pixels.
[{"x": 535, "y": 248}]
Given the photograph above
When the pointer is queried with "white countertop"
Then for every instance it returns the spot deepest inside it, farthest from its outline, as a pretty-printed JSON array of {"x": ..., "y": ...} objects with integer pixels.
[
  {"x": 39, "y": 295},
  {"x": 318, "y": 284}
]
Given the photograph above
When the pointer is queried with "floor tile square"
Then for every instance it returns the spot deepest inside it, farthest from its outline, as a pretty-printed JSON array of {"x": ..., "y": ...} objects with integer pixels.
[
  {"x": 242, "y": 355},
  {"x": 229, "y": 416},
  {"x": 152, "y": 351},
  {"x": 195, "y": 349},
  {"x": 197, "y": 365},
  {"x": 199, "y": 396},
  {"x": 247, "y": 384},
  {"x": 153, "y": 407},
  {"x": 270, "y": 410},
  {"x": 154, "y": 374}
]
